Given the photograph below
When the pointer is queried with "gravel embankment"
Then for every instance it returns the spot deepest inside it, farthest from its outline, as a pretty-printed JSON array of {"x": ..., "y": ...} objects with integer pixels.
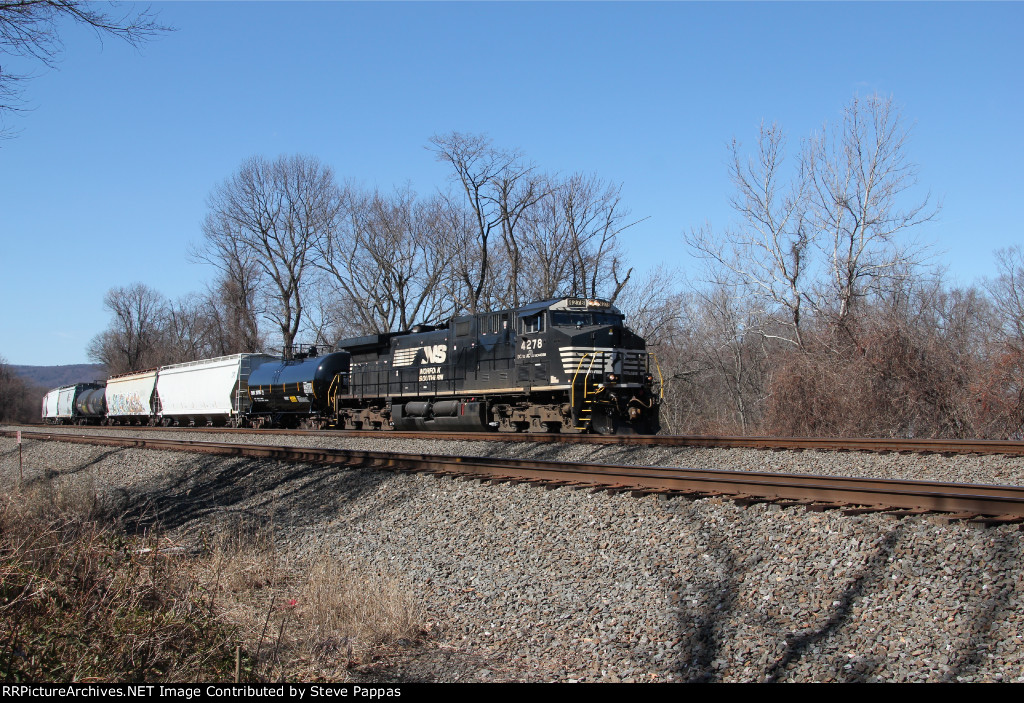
[
  {"x": 530, "y": 584},
  {"x": 965, "y": 468}
]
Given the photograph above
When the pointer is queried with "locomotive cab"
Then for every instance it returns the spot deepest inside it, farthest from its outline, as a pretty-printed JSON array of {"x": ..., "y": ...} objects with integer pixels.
[{"x": 604, "y": 364}]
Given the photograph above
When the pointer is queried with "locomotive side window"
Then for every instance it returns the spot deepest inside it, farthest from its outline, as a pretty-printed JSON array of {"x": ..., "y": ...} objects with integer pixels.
[
  {"x": 462, "y": 328},
  {"x": 534, "y": 323}
]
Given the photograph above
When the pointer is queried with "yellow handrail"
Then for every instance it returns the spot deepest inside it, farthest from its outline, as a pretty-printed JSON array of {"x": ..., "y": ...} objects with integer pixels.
[
  {"x": 332, "y": 392},
  {"x": 572, "y": 392},
  {"x": 661, "y": 381}
]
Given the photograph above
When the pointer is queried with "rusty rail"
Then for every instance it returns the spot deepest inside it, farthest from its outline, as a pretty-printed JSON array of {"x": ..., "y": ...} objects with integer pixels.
[
  {"x": 963, "y": 501},
  {"x": 841, "y": 444}
]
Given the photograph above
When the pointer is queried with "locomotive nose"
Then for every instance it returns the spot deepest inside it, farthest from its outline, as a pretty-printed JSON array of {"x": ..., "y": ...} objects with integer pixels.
[{"x": 610, "y": 336}]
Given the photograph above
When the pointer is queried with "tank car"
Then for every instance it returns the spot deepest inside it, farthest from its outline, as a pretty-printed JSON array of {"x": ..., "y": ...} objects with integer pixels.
[
  {"x": 297, "y": 392},
  {"x": 91, "y": 405},
  {"x": 562, "y": 365},
  {"x": 77, "y": 404}
]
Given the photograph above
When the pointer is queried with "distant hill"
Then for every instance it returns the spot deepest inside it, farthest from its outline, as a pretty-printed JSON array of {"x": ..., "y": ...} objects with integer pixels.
[{"x": 54, "y": 376}]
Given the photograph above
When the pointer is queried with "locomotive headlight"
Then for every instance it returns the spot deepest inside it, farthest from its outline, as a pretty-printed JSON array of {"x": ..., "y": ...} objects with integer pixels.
[{"x": 612, "y": 378}]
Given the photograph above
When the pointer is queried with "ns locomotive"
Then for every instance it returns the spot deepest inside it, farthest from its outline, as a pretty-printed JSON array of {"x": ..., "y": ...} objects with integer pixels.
[{"x": 564, "y": 365}]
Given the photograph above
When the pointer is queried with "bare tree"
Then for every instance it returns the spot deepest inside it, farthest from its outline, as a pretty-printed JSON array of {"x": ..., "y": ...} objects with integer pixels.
[
  {"x": 860, "y": 179},
  {"x": 1007, "y": 292},
  {"x": 133, "y": 339},
  {"x": 460, "y": 282},
  {"x": 13, "y": 396},
  {"x": 231, "y": 307},
  {"x": 269, "y": 216},
  {"x": 731, "y": 349},
  {"x": 1001, "y": 391},
  {"x": 653, "y": 305},
  {"x": 190, "y": 331},
  {"x": 231, "y": 300},
  {"x": 594, "y": 218},
  {"x": 831, "y": 234},
  {"x": 388, "y": 263},
  {"x": 30, "y": 29},
  {"x": 516, "y": 190},
  {"x": 548, "y": 249},
  {"x": 499, "y": 188},
  {"x": 766, "y": 257},
  {"x": 570, "y": 243}
]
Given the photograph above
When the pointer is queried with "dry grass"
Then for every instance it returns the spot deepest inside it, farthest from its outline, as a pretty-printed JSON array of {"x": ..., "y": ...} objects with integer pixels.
[
  {"x": 82, "y": 601},
  {"x": 302, "y": 618}
]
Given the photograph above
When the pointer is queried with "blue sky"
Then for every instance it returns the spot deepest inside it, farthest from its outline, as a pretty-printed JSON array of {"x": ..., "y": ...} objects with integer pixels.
[{"x": 106, "y": 179}]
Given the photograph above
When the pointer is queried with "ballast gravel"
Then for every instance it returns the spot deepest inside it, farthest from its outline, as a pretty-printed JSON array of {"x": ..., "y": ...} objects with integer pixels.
[
  {"x": 522, "y": 583},
  {"x": 959, "y": 468}
]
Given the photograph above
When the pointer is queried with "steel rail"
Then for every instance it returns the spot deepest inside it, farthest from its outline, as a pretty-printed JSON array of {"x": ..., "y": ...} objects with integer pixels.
[
  {"x": 865, "y": 444},
  {"x": 967, "y": 500}
]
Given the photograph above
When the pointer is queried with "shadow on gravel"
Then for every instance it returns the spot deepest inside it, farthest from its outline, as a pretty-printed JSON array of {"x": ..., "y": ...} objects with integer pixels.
[
  {"x": 703, "y": 628},
  {"x": 703, "y": 645},
  {"x": 987, "y": 614},
  {"x": 290, "y": 494},
  {"x": 797, "y": 643},
  {"x": 48, "y": 474}
]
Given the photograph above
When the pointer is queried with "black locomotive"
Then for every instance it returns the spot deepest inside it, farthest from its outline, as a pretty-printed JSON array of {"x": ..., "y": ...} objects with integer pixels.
[{"x": 563, "y": 365}]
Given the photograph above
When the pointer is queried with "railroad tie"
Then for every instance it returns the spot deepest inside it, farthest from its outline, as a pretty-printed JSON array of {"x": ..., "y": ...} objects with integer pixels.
[
  {"x": 747, "y": 500},
  {"x": 997, "y": 520},
  {"x": 821, "y": 506}
]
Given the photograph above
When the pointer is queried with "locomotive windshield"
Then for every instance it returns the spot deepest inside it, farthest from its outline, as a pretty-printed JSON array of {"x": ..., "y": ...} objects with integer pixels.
[{"x": 584, "y": 319}]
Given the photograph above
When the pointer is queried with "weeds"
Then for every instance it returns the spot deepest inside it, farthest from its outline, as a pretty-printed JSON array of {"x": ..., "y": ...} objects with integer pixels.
[
  {"x": 302, "y": 618},
  {"x": 81, "y": 600}
]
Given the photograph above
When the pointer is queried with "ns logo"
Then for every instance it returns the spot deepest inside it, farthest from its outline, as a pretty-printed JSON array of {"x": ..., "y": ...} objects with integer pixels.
[{"x": 436, "y": 354}]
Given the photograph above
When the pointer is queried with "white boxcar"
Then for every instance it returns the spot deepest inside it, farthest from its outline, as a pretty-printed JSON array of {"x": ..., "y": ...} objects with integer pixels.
[
  {"x": 130, "y": 397},
  {"x": 210, "y": 391},
  {"x": 66, "y": 402},
  {"x": 50, "y": 406}
]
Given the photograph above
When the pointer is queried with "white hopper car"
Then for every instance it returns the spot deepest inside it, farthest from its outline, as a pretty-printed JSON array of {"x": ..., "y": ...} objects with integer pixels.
[
  {"x": 131, "y": 398},
  {"x": 205, "y": 392}
]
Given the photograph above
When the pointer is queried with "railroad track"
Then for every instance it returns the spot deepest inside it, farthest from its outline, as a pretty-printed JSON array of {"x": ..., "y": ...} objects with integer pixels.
[
  {"x": 839, "y": 444},
  {"x": 986, "y": 504}
]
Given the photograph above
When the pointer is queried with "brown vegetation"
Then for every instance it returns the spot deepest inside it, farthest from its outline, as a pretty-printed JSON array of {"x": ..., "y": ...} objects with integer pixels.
[
  {"x": 19, "y": 401},
  {"x": 81, "y": 600}
]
